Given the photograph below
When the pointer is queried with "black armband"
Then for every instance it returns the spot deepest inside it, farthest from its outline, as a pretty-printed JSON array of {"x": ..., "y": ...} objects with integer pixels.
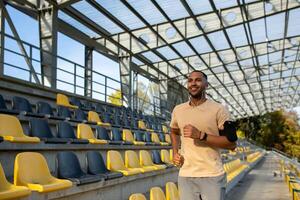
[{"x": 229, "y": 131}]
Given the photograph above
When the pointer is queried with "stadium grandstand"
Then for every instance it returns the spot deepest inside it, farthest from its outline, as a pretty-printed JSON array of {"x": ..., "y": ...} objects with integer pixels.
[{"x": 87, "y": 88}]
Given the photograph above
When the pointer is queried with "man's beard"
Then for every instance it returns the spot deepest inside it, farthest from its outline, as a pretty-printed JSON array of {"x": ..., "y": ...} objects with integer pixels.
[{"x": 199, "y": 95}]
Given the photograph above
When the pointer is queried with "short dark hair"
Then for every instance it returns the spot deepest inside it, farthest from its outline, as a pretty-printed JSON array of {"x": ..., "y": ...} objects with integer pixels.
[{"x": 200, "y": 72}]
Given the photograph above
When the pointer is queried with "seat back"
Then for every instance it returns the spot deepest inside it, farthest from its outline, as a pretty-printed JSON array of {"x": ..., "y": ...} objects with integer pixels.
[
  {"x": 131, "y": 159},
  {"x": 148, "y": 137},
  {"x": 76, "y": 102},
  {"x": 165, "y": 156},
  {"x": 115, "y": 161},
  {"x": 65, "y": 130},
  {"x": 127, "y": 135},
  {"x": 168, "y": 138},
  {"x": 4, "y": 184},
  {"x": 44, "y": 108},
  {"x": 156, "y": 193},
  {"x": 139, "y": 136},
  {"x": 102, "y": 133},
  {"x": 154, "y": 138},
  {"x": 116, "y": 134},
  {"x": 2, "y": 103},
  {"x": 161, "y": 137},
  {"x": 21, "y": 104},
  {"x": 64, "y": 112},
  {"x": 40, "y": 128},
  {"x": 156, "y": 157},
  {"x": 68, "y": 165},
  {"x": 62, "y": 99},
  {"x": 31, "y": 167},
  {"x": 93, "y": 117},
  {"x": 164, "y": 128},
  {"x": 100, "y": 108},
  {"x": 84, "y": 131},
  {"x": 95, "y": 163},
  {"x": 145, "y": 158},
  {"x": 141, "y": 124},
  {"x": 80, "y": 115},
  {"x": 137, "y": 196},
  {"x": 106, "y": 118},
  {"x": 171, "y": 191},
  {"x": 10, "y": 126}
]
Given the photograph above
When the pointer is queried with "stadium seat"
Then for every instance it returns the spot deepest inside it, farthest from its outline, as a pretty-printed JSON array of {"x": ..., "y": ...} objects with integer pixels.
[
  {"x": 10, "y": 191},
  {"x": 165, "y": 156},
  {"x": 168, "y": 139},
  {"x": 172, "y": 191},
  {"x": 132, "y": 162},
  {"x": 116, "y": 136},
  {"x": 11, "y": 130},
  {"x": 76, "y": 102},
  {"x": 1, "y": 139},
  {"x": 117, "y": 121},
  {"x": 156, "y": 193},
  {"x": 140, "y": 137},
  {"x": 40, "y": 128},
  {"x": 22, "y": 105},
  {"x": 146, "y": 160},
  {"x": 68, "y": 167},
  {"x": 102, "y": 134},
  {"x": 4, "y": 109},
  {"x": 157, "y": 159},
  {"x": 96, "y": 165},
  {"x": 65, "y": 130},
  {"x": 63, "y": 100},
  {"x": 148, "y": 139},
  {"x": 94, "y": 117},
  {"x": 106, "y": 118},
  {"x": 142, "y": 125},
  {"x": 81, "y": 116},
  {"x": 84, "y": 131},
  {"x": 100, "y": 108},
  {"x": 126, "y": 122},
  {"x": 165, "y": 129},
  {"x": 115, "y": 162},
  {"x": 66, "y": 114},
  {"x": 128, "y": 137},
  {"x": 45, "y": 109},
  {"x": 137, "y": 196},
  {"x": 31, "y": 170},
  {"x": 155, "y": 139}
]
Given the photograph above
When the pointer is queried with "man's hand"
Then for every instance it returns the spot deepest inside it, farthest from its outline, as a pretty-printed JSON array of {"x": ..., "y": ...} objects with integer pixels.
[
  {"x": 192, "y": 132},
  {"x": 178, "y": 159}
]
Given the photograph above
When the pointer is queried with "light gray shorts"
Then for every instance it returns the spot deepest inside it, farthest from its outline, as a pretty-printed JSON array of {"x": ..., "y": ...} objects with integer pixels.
[{"x": 202, "y": 188}]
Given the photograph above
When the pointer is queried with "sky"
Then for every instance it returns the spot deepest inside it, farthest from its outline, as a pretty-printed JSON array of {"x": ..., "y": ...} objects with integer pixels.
[{"x": 74, "y": 51}]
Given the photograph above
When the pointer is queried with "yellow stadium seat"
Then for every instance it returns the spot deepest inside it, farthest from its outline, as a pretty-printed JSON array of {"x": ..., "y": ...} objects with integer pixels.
[
  {"x": 142, "y": 125},
  {"x": 146, "y": 160},
  {"x": 137, "y": 196},
  {"x": 172, "y": 191},
  {"x": 165, "y": 156},
  {"x": 94, "y": 117},
  {"x": 168, "y": 139},
  {"x": 128, "y": 137},
  {"x": 132, "y": 161},
  {"x": 156, "y": 193},
  {"x": 63, "y": 100},
  {"x": 84, "y": 131},
  {"x": 31, "y": 170},
  {"x": 11, "y": 130},
  {"x": 171, "y": 155},
  {"x": 115, "y": 162},
  {"x": 155, "y": 139},
  {"x": 10, "y": 191},
  {"x": 165, "y": 129}
]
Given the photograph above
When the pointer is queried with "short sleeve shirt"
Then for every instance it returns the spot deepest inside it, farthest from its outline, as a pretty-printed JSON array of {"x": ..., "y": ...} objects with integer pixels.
[{"x": 200, "y": 160}]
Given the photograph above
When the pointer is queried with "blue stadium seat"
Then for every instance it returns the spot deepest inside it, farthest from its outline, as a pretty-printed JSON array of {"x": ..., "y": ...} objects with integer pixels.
[
  {"x": 40, "y": 128},
  {"x": 43, "y": 108},
  {"x": 102, "y": 133},
  {"x": 4, "y": 109},
  {"x": 116, "y": 136},
  {"x": 68, "y": 167},
  {"x": 65, "y": 113},
  {"x": 76, "y": 102},
  {"x": 148, "y": 139},
  {"x": 157, "y": 159},
  {"x": 96, "y": 165},
  {"x": 23, "y": 106},
  {"x": 65, "y": 130}
]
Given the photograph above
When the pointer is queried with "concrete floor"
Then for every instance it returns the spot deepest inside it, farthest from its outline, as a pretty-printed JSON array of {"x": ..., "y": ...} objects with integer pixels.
[{"x": 261, "y": 184}]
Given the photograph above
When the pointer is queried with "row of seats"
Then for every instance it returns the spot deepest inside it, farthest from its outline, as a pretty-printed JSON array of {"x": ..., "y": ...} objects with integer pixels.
[
  {"x": 22, "y": 106},
  {"x": 31, "y": 170},
  {"x": 291, "y": 176},
  {"x": 254, "y": 156},
  {"x": 11, "y": 130},
  {"x": 234, "y": 168},
  {"x": 156, "y": 193}
]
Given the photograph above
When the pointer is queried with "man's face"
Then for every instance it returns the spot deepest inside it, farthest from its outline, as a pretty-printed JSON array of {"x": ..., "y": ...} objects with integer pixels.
[{"x": 196, "y": 84}]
